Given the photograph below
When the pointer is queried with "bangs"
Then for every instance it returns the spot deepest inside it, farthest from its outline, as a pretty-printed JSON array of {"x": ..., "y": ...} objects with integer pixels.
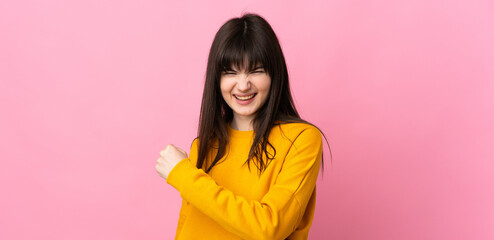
[{"x": 241, "y": 53}]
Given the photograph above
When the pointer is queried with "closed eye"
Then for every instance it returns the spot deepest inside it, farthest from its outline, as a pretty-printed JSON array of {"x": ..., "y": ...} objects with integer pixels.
[{"x": 258, "y": 70}]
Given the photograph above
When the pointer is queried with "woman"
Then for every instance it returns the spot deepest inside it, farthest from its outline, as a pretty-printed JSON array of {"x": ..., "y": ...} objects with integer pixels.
[{"x": 247, "y": 118}]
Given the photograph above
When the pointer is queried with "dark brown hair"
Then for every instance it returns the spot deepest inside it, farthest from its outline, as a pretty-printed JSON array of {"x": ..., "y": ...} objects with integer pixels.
[{"x": 245, "y": 41}]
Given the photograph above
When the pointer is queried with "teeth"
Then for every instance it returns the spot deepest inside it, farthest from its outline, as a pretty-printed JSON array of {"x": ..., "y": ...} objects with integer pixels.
[{"x": 245, "y": 98}]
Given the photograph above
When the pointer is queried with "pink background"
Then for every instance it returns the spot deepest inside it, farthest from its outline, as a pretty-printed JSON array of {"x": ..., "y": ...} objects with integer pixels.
[{"x": 91, "y": 91}]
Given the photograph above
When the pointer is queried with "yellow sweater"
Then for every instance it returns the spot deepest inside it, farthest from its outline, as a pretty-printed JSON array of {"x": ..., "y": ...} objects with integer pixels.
[{"x": 232, "y": 202}]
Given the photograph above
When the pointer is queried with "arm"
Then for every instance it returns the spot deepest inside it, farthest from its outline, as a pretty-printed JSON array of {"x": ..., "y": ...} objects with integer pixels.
[
  {"x": 277, "y": 214},
  {"x": 184, "y": 209}
]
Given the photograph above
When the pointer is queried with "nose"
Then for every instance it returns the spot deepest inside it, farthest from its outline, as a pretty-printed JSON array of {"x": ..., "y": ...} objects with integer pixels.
[{"x": 243, "y": 83}]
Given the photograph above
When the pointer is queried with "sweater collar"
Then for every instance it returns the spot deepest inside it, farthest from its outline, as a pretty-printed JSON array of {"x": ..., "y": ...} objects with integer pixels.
[{"x": 239, "y": 134}]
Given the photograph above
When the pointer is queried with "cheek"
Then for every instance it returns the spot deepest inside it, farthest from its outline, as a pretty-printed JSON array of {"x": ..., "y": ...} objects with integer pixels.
[
  {"x": 266, "y": 85},
  {"x": 223, "y": 84},
  {"x": 225, "y": 87}
]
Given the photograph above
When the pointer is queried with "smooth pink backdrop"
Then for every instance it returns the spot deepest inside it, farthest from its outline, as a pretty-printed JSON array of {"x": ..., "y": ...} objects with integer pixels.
[{"x": 91, "y": 91}]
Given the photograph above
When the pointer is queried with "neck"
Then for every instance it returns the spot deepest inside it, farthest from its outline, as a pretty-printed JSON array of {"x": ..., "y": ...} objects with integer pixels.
[{"x": 242, "y": 123}]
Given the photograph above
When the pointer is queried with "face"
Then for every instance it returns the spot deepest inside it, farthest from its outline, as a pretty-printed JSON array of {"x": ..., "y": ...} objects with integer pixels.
[{"x": 245, "y": 92}]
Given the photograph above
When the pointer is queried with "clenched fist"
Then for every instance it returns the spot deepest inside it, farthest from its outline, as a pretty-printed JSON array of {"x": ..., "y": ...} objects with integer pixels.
[{"x": 169, "y": 157}]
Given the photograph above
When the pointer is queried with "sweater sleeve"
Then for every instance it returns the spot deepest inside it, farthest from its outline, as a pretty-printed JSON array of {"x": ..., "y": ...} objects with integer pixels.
[
  {"x": 181, "y": 218},
  {"x": 184, "y": 209},
  {"x": 278, "y": 213}
]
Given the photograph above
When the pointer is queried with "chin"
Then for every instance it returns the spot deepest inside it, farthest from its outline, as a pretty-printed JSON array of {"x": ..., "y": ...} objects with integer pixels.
[{"x": 246, "y": 114}]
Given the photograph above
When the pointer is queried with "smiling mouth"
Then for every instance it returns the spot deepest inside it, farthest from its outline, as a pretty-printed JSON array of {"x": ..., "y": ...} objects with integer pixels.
[{"x": 245, "y": 98}]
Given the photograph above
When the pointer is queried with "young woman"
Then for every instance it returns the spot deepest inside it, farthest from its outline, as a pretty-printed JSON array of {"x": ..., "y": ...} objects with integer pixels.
[{"x": 252, "y": 170}]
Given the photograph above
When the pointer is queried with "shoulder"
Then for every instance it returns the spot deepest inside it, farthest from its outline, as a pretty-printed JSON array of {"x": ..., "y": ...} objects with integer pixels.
[
  {"x": 298, "y": 139},
  {"x": 195, "y": 143},
  {"x": 297, "y": 132}
]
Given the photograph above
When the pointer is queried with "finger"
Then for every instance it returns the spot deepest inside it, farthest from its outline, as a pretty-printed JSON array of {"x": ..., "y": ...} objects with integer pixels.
[
  {"x": 164, "y": 150},
  {"x": 167, "y": 148}
]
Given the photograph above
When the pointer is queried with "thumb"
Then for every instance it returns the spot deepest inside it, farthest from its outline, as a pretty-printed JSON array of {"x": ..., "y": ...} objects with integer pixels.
[{"x": 182, "y": 151}]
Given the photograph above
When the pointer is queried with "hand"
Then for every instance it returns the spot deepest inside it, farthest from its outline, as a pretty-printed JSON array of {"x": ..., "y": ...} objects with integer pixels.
[{"x": 169, "y": 157}]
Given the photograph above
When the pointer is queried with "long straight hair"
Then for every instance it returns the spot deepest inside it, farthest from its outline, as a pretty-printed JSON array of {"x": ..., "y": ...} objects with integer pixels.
[{"x": 246, "y": 41}]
